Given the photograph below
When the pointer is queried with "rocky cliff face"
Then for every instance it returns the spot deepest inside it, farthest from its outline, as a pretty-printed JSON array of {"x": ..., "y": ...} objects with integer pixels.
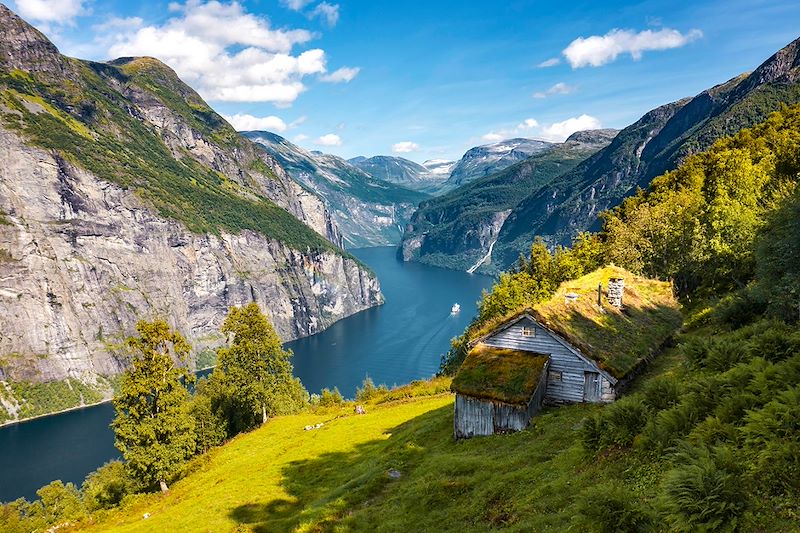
[
  {"x": 460, "y": 229},
  {"x": 656, "y": 143},
  {"x": 123, "y": 196},
  {"x": 369, "y": 210}
]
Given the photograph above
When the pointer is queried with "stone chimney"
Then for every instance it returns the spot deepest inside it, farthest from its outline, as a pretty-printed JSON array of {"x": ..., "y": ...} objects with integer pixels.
[{"x": 616, "y": 289}]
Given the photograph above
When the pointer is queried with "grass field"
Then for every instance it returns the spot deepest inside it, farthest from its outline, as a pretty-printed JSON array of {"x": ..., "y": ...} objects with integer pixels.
[{"x": 336, "y": 478}]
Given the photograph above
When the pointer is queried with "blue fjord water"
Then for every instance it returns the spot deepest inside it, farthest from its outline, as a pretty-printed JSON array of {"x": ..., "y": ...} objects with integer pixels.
[{"x": 395, "y": 343}]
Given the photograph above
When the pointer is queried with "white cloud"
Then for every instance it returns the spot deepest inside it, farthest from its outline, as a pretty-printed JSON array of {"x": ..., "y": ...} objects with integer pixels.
[
  {"x": 559, "y": 131},
  {"x": 228, "y": 54},
  {"x": 119, "y": 23},
  {"x": 58, "y": 11},
  {"x": 524, "y": 127},
  {"x": 299, "y": 138},
  {"x": 493, "y": 137},
  {"x": 328, "y": 12},
  {"x": 331, "y": 139},
  {"x": 553, "y": 61},
  {"x": 341, "y": 75},
  {"x": 598, "y": 50},
  {"x": 405, "y": 147},
  {"x": 558, "y": 88},
  {"x": 244, "y": 122},
  {"x": 296, "y": 5}
]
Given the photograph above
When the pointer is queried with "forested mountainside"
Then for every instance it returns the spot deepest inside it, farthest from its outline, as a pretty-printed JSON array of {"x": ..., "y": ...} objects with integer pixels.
[
  {"x": 123, "y": 195},
  {"x": 404, "y": 172},
  {"x": 657, "y": 142},
  {"x": 369, "y": 210},
  {"x": 456, "y": 230}
]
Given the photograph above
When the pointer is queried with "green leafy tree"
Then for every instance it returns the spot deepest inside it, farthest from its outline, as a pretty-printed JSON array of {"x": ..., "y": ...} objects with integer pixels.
[
  {"x": 60, "y": 503},
  {"x": 105, "y": 487},
  {"x": 254, "y": 373},
  {"x": 154, "y": 429}
]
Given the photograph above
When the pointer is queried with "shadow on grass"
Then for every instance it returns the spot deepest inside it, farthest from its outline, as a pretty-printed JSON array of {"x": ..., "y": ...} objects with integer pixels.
[{"x": 323, "y": 489}]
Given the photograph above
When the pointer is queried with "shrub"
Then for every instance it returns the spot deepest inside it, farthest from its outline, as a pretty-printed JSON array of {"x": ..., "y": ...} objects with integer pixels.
[
  {"x": 740, "y": 308},
  {"x": 61, "y": 503},
  {"x": 776, "y": 343},
  {"x": 772, "y": 437},
  {"x": 725, "y": 353},
  {"x": 662, "y": 393},
  {"x": 704, "y": 492},
  {"x": 330, "y": 398},
  {"x": 107, "y": 486},
  {"x": 369, "y": 391},
  {"x": 609, "y": 507},
  {"x": 624, "y": 420},
  {"x": 592, "y": 432},
  {"x": 695, "y": 351}
]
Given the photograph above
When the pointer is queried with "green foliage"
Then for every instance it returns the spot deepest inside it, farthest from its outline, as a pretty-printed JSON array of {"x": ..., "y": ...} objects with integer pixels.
[
  {"x": 21, "y": 516},
  {"x": 211, "y": 427},
  {"x": 114, "y": 145},
  {"x": 369, "y": 392},
  {"x": 253, "y": 377},
  {"x": 107, "y": 486},
  {"x": 60, "y": 503},
  {"x": 772, "y": 434},
  {"x": 153, "y": 426},
  {"x": 698, "y": 224},
  {"x": 778, "y": 257},
  {"x": 329, "y": 398},
  {"x": 45, "y": 398},
  {"x": 609, "y": 507},
  {"x": 704, "y": 492}
]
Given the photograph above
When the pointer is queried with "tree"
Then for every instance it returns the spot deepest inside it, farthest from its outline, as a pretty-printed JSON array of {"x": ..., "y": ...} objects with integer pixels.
[
  {"x": 254, "y": 371},
  {"x": 154, "y": 429}
]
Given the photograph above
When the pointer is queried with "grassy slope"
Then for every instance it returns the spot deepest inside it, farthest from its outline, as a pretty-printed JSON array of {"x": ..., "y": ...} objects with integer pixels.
[{"x": 282, "y": 478}]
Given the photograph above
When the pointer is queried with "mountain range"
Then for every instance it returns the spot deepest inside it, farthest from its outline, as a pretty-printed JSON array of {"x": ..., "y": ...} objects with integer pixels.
[
  {"x": 458, "y": 229},
  {"x": 370, "y": 211},
  {"x": 405, "y": 172},
  {"x": 559, "y": 208},
  {"x": 123, "y": 196}
]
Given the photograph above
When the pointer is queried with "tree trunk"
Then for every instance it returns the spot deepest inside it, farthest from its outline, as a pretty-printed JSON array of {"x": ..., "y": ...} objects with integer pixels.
[
  {"x": 263, "y": 413},
  {"x": 164, "y": 487}
]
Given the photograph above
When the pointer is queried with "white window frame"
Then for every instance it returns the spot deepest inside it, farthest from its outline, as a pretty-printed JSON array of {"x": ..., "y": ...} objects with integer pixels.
[{"x": 528, "y": 331}]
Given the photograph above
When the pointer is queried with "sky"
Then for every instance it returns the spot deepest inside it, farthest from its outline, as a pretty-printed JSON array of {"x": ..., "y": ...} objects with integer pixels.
[{"x": 427, "y": 79}]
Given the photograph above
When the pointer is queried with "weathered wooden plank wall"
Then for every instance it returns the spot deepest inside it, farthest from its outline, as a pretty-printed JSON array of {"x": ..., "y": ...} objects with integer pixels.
[{"x": 571, "y": 367}]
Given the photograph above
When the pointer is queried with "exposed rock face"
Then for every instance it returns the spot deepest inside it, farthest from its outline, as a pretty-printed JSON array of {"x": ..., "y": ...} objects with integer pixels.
[
  {"x": 656, "y": 143},
  {"x": 123, "y": 196},
  {"x": 82, "y": 260},
  {"x": 368, "y": 210},
  {"x": 488, "y": 159},
  {"x": 460, "y": 229}
]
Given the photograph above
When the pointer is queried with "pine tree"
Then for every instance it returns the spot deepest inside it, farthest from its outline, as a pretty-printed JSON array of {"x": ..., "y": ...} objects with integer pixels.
[{"x": 154, "y": 428}]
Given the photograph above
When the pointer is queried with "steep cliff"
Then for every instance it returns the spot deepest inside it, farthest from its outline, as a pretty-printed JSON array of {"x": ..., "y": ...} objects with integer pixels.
[
  {"x": 656, "y": 143},
  {"x": 124, "y": 196},
  {"x": 369, "y": 210},
  {"x": 460, "y": 229}
]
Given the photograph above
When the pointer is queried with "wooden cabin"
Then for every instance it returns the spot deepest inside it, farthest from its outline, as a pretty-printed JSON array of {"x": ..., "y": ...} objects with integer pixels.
[{"x": 594, "y": 335}]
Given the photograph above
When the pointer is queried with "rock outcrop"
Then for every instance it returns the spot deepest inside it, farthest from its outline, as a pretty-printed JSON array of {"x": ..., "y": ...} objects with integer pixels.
[{"x": 123, "y": 196}]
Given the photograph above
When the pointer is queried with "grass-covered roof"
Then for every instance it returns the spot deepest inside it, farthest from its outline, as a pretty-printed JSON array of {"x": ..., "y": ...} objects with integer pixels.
[
  {"x": 499, "y": 374},
  {"x": 617, "y": 339}
]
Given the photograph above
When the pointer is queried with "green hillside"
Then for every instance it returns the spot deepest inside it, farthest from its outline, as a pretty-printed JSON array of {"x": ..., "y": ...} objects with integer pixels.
[{"x": 90, "y": 114}]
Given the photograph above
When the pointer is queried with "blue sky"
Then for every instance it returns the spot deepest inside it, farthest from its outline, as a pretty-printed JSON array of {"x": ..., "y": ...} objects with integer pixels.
[{"x": 428, "y": 79}]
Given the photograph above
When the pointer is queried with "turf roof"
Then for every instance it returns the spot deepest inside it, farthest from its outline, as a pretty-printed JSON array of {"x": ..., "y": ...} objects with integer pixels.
[
  {"x": 502, "y": 374},
  {"x": 617, "y": 339}
]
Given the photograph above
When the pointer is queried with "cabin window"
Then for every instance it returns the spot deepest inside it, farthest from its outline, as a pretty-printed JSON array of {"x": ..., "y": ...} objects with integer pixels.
[
  {"x": 528, "y": 331},
  {"x": 553, "y": 375}
]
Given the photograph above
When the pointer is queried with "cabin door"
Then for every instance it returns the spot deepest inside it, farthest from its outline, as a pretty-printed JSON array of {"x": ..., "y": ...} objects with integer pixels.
[{"x": 591, "y": 387}]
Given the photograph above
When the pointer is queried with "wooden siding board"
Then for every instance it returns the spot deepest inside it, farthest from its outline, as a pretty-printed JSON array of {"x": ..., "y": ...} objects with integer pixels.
[{"x": 572, "y": 367}]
